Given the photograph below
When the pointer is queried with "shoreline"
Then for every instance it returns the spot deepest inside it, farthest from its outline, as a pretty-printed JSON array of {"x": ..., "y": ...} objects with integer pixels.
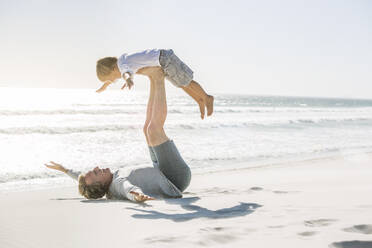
[
  {"x": 317, "y": 203},
  {"x": 64, "y": 181}
]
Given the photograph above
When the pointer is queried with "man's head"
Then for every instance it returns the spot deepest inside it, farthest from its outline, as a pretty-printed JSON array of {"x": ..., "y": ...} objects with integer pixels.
[
  {"x": 107, "y": 71},
  {"x": 95, "y": 183}
]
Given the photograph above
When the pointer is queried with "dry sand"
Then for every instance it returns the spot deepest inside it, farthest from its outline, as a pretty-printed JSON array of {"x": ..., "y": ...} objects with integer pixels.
[{"x": 315, "y": 203}]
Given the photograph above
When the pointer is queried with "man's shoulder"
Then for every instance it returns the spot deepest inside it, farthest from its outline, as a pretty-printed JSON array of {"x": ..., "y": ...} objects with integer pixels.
[{"x": 127, "y": 170}]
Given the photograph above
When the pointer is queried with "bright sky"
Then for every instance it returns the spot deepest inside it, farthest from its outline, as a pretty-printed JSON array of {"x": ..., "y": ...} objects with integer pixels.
[{"x": 306, "y": 48}]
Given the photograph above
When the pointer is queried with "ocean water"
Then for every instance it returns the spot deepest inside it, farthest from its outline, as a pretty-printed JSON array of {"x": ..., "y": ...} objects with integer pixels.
[{"x": 82, "y": 129}]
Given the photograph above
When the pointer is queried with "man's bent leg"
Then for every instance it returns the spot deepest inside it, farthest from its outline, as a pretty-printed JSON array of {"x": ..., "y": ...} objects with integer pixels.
[
  {"x": 169, "y": 160},
  {"x": 147, "y": 122},
  {"x": 150, "y": 106},
  {"x": 155, "y": 130},
  {"x": 172, "y": 165}
]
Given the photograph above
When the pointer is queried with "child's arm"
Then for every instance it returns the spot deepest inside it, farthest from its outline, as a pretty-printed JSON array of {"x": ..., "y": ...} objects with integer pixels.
[{"x": 128, "y": 77}]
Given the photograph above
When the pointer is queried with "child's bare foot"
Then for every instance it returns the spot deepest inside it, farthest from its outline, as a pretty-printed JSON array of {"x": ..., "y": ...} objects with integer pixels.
[
  {"x": 202, "y": 109},
  {"x": 209, "y": 104}
]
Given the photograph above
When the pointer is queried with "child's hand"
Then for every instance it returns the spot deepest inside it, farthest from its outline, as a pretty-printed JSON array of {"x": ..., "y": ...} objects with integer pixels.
[
  {"x": 129, "y": 83},
  {"x": 103, "y": 87}
]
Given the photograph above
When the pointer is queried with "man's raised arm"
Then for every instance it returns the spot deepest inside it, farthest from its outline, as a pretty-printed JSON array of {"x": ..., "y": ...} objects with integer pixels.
[{"x": 72, "y": 173}]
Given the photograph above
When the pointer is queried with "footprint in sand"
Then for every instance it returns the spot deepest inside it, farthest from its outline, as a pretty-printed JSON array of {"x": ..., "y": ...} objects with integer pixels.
[
  {"x": 213, "y": 239},
  {"x": 319, "y": 222},
  {"x": 274, "y": 191},
  {"x": 256, "y": 188},
  {"x": 212, "y": 229},
  {"x": 277, "y": 226},
  {"x": 280, "y": 192},
  {"x": 351, "y": 244},
  {"x": 307, "y": 234},
  {"x": 217, "y": 190},
  {"x": 285, "y": 192},
  {"x": 163, "y": 239},
  {"x": 218, "y": 234},
  {"x": 365, "y": 229}
]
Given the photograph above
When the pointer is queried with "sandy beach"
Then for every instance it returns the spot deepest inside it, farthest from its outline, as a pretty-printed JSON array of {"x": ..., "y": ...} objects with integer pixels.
[
  {"x": 268, "y": 103},
  {"x": 313, "y": 203}
]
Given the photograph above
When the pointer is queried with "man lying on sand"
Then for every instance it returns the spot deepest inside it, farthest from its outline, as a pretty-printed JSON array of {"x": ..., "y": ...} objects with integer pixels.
[
  {"x": 168, "y": 177},
  {"x": 110, "y": 69}
]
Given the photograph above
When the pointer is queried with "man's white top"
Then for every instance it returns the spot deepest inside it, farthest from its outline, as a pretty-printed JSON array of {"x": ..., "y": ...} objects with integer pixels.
[
  {"x": 142, "y": 179},
  {"x": 131, "y": 63}
]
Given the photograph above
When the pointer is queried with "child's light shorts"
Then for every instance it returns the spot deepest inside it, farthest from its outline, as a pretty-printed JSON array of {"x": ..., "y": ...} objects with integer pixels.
[{"x": 177, "y": 72}]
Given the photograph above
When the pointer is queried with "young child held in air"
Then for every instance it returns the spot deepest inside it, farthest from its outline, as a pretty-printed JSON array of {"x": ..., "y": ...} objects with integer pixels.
[{"x": 109, "y": 69}]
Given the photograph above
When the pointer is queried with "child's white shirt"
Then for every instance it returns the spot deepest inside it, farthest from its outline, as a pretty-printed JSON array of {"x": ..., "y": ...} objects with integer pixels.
[{"x": 131, "y": 63}]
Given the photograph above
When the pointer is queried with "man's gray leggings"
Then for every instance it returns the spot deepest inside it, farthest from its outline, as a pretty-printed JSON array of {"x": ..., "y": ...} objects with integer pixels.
[{"x": 168, "y": 160}]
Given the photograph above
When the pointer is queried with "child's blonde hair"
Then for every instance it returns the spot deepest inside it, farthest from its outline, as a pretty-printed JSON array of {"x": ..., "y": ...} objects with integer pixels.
[{"x": 105, "y": 66}]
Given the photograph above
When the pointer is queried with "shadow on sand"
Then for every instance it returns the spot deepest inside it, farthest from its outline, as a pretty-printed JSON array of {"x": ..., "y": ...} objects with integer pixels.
[
  {"x": 67, "y": 199},
  {"x": 84, "y": 200},
  {"x": 242, "y": 209}
]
